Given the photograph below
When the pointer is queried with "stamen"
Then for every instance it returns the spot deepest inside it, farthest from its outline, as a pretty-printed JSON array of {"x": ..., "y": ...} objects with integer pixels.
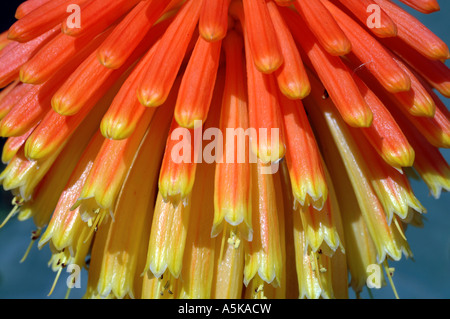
[
  {"x": 389, "y": 275},
  {"x": 93, "y": 225},
  {"x": 17, "y": 202},
  {"x": 400, "y": 230},
  {"x": 67, "y": 293},
  {"x": 222, "y": 242},
  {"x": 234, "y": 240},
  {"x": 34, "y": 236},
  {"x": 259, "y": 291},
  {"x": 168, "y": 286},
  {"x": 58, "y": 274},
  {"x": 228, "y": 266}
]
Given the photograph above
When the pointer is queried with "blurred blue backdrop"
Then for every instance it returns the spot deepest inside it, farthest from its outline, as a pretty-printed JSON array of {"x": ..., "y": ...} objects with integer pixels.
[{"x": 426, "y": 277}]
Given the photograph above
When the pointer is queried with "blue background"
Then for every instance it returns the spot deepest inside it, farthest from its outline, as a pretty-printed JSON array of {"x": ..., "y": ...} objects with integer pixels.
[{"x": 426, "y": 277}]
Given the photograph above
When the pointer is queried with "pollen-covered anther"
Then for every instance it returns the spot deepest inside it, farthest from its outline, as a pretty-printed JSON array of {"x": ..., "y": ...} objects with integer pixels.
[
  {"x": 234, "y": 240},
  {"x": 17, "y": 201}
]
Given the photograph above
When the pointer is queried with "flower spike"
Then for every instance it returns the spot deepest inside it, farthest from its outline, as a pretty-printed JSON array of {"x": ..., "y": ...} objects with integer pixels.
[
  {"x": 15, "y": 54},
  {"x": 291, "y": 75},
  {"x": 97, "y": 15},
  {"x": 91, "y": 80},
  {"x": 122, "y": 258},
  {"x": 11, "y": 95},
  {"x": 384, "y": 134},
  {"x": 41, "y": 20},
  {"x": 436, "y": 73},
  {"x": 62, "y": 50},
  {"x": 306, "y": 172},
  {"x": 126, "y": 36},
  {"x": 265, "y": 119},
  {"x": 54, "y": 129},
  {"x": 261, "y": 34},
  {"x": 162, "y": 71},
  {"x": 333, "y": 73},
  {"x": 371, "y": 53},
  {"x": 263, "y": 256},
  {"x": 197, "y": 85},
  {"x": 198, "y": 259},
  {"x": 12, "y": 146},
  {"x": 424, "y": 6},
  {"x": 213, "y": 22},
  {"x": 222, "y": 148},
  {"x": 323, "y": 26},
  {"x": 415, "y": 33},
  {"x": 123, "y": 115},
  {"x": 363, "y": 9},
  {"x": 26, "y": 7},
  {"x": 232, "y": 203},
  {"x": 64, "y": 227}
]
